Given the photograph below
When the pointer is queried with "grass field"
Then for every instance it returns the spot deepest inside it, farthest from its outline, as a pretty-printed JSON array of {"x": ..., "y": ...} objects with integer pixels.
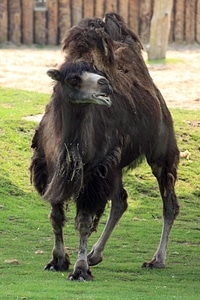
[{"x": 25, "y": 228}]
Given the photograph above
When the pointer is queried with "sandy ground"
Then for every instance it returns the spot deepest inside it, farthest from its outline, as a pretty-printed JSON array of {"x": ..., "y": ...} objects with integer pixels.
[{"x": 25, "y": 68}]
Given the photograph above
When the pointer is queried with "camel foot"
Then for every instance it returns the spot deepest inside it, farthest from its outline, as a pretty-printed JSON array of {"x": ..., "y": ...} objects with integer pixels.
[
  {"x": 81, "y": 272},
  {"x": 153, "y": 264},
  {"x": 58, "y": 264}
]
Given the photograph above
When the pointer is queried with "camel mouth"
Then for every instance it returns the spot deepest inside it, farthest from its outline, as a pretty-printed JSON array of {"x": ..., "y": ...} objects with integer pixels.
[{"x": 102, "y": 99}]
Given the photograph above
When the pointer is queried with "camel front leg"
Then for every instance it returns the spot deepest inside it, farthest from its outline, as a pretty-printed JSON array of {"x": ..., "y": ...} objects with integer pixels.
[
  {"x": 81, "y": 270},
  {"x": 119, "y": 205},
  {"x": 60, "y": 260},
  {"x": 170, "y": 212}
]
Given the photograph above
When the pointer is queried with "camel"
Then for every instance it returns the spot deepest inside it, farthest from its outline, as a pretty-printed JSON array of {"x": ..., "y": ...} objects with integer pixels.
[{"x": 105, "y": 114}]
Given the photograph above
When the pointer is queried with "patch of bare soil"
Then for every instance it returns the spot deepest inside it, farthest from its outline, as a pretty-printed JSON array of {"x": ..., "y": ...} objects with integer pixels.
[{"x": 26, "y": 67}]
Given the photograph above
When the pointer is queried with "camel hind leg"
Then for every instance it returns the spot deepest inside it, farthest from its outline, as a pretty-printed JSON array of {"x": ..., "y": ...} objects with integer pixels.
[{"x": 166, "y": 178}]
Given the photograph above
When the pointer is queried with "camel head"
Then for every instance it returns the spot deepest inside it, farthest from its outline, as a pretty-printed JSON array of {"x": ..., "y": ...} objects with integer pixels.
[{"x": 81, "y": 84}]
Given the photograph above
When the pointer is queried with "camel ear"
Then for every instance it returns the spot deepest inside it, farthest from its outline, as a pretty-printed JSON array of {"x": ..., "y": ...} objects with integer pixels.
[{"x": 54, "y": 74}]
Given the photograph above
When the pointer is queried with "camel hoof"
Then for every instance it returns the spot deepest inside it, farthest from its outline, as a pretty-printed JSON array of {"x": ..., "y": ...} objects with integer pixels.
[
  {"x": 154, "y": 264},
  {"x": 80, "y": 275},
  {"x": 70, "y": 277},
  {"x": 56, "y": 265}
]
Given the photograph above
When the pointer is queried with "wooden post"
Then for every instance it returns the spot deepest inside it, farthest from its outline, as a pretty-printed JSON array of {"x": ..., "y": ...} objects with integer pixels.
[
  {"x": 40, "y": 24},
  {"x": 179, "y": 21},
  {"x": 52, "y": 22},
  {"x": 145, "y": 20},
  {"x": 99, "y": 8},
  {"x": 110, "y": 6},
  {"x": 76, "y": 11},
  {"x": 171, "y": 33},
  {"x": 64, "y": 18},
  {"x": 198, "y": 22},
  {"x": 27, "y": 21},
  {"x": 190, "y": 21},
  {"x": 124, "y": 9},
  {"x": 134, "y": 6},
  {"x": 88, "y": 8},
  {"x": 160, "y": 28},
  {"x": 3, "y": 21},
  {"x": 14, "y": 25}
]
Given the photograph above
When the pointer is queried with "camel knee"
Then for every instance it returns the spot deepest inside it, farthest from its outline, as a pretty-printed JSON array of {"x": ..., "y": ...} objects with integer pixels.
[
  {"x": 171, "y": 207},
  {"x": 120, "y": 206},
  {"x": 57, "y": 216},
  {"x": 83, "y": 223},
  {"x": 123, "y": 198}
]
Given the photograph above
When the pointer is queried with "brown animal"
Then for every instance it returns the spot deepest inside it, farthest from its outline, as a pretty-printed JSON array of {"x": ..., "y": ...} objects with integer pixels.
[{"x": 105, "y": 114}]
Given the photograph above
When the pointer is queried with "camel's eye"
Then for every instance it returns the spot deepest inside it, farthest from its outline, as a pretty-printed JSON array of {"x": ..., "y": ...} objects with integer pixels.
[{"x": 74, "y": 81}]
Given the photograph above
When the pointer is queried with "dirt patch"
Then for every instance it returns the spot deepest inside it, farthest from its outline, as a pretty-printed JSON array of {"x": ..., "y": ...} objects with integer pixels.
[
  {"x": 26, "y": 67},
  {"x": 35, "y": 118},
  {"x": 194, "y": 123}
]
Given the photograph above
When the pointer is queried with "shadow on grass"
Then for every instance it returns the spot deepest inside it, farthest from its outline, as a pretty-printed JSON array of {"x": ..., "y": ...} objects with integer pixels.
[{"x": 7, "y": 188}]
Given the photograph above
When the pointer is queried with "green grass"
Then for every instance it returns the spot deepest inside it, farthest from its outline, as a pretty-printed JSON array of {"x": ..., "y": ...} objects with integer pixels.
[
  {"x": 164, "y": 61},
  {"x": 25, "y": 228}
]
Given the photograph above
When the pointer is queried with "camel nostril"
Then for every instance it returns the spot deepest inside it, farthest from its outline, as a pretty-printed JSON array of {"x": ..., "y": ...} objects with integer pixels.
[
  {"x": 103, "y": 81},
  {"x": 105, "y": 86}
]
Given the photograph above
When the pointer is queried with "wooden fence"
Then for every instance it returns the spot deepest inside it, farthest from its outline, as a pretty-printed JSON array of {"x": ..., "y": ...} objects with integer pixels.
[{"x": 46, "y": 21}]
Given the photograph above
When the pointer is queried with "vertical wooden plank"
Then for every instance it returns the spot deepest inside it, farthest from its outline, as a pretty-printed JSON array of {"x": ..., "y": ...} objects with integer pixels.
[
  {"x": 14, "y": 24},
  {"x": 3, "y": 21},
  {"x": 198, "y": 22},
  {"x": 27, "y": 21},
  {"x": 99, "y": 8},
  {"x": 134, "y": 7},
  {"x": 40, "y": 22},
  {"x": 52, "y": 22},
  {"x": 77, "y": 12},
  {"x": 160, "y": 29},
  {"x": 179, "y": 21},
  {"x": 88, "y": 8},
  {"x": 64, "y": 18},
  {"x": 111, "y": 6},
  {"x": 171, "y": 34},
  {"x": 124, "y": 9},
  {"x": 145, "y": 20},
  {"x": 190, "y": 21}
]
